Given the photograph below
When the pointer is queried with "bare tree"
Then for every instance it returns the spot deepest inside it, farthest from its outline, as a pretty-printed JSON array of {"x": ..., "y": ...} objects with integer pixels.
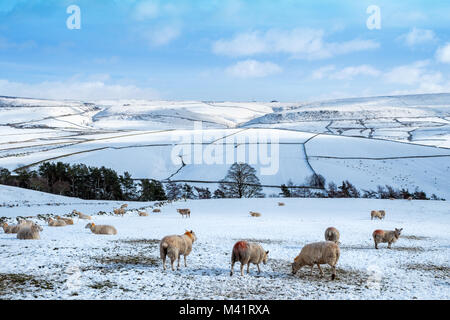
[{"x": 241, "y": 182}]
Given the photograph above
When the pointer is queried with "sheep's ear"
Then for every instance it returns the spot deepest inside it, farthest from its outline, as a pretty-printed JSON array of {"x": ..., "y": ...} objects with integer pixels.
[
  {"x": 267, "y": 252},
  {"x": 191, "y": 231}
]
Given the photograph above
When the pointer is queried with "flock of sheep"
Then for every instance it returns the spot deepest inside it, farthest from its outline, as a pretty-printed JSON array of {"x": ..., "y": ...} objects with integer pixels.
[{"x": 175, "y": 246}]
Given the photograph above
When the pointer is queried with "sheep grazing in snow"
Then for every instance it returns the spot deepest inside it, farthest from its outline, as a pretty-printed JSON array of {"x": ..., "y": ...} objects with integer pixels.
[
  {"x": 142, "y": 213},
  {"x": 184, "y": 212},
  {"x": 56, "y": 223},
  {"x": 68, "y": 221},
  {"x": 383, "y": 236},
  {"x": 176, "y": 245},
  {"x": 332, "y": 234},
  {"x": 324, "y": 252},
  {"x": 156, "y": 210},
  {"x": 120, "y": 211},
  {"x": 255, "y": 214},
  {"x": 29, "y": 232},
  {"x": 280, "y": 204},
  {"x": 101, "y": 229},
  {"x": 380, "y": 214},
  {"x": 11, "y": 228},
  {"x": 124, "y": 206},
  {"x": 410, "y": 198},
  {"x": 81, "y": 215},
  {"x": 246, "y": 253}
]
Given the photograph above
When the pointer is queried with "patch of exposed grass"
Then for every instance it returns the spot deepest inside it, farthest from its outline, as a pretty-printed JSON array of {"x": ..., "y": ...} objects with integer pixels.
[
  {"x": 266, "y": 241},
  {"x": 127, "y": 260},
  {"x": 20, "y": 283},
  {"x": 140, "y": 241},
  {"x": 442, "y": 272},
  {"x": 102, "y": 284},
  {"x": 412, "y": 237}
]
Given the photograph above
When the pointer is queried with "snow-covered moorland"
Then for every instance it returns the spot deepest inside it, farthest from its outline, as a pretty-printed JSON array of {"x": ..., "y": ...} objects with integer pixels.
[{"x": 72, "y": 263}]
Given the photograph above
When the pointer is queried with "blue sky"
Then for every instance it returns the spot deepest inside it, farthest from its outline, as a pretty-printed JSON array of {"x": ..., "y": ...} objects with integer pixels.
[{"x": 223, "y": 50}]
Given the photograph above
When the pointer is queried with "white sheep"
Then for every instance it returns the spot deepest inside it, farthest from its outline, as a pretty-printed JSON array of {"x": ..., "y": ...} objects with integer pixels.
[
  {"x": 101, "y": 229},
  {"x": 81, "y": 215},
  {"x": 383, "y": 236},
  {"x": 56, "y": 223},
  {"x": 68, "y": 221},
  {"x": 324, "y": 252},
  {"x": 29, "y": 232},
  {"x": 176, "y": 245},
  {"x": 246, "y": 253},
  {"x": 332, "y": 234}
]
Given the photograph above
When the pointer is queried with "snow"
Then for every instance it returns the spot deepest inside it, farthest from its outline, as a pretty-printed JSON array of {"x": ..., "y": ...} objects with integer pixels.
[{"x": 80, "y": 265}]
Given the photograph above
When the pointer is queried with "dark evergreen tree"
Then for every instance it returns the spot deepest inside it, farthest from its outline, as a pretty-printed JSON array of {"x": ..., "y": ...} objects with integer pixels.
[{"x": 152, "y": 190}]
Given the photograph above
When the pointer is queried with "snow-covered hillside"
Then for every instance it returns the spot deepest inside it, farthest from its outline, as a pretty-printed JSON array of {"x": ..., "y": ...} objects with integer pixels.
[
  {"x": 72, "y": 263},
  {"x": 403, "y": 141}
]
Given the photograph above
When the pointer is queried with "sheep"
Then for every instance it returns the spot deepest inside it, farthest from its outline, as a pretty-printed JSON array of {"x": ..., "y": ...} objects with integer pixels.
[
  {"x": 56, "y": 223},
  {"x": 176, "y": 245},
  {"x": 255, "y": 214},
  {"x": 68, "y": 221},
  {"x": 324, "y": 252},
  {"x": 23, "y": 222},
  {"x": 332, "y": 234},
  {"x": 280, "y": 204},
  {"x": 382, "y": 236},
  {"x": 410, "y": 198},
  {"x": 142, "y": 213},
  {"x": 377, "y": 214},
  {"x": 101, "y": 229},
  {"x": 246, "y": 253},
  {"x": 81, "y": 215},
  {"x": 156, "y": 210},
  {"x": 120, "y": 211},
  {"x": 29, "y": 232},
  {"x": 184, "y": 212},
  {"x": 124, "y": 206},
  {"x": 11, "y": 228}
]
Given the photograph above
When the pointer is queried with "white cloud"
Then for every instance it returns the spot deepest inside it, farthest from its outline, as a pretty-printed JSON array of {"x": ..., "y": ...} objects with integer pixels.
[
  {"x": 89, "y": 89},
  {"x": 146, "y": 10},
  {"x": 5, "y": 44},
  {"x": 347, "y": 73},
  {"x": 299, "y": 43},
  {"x": 409, "y": 74},
  {"x": 252, "y": 69},
  {"x": 418, "y": 36},
  {"x": 443, "y": 53},
  {"x": 163, "y": 36}
]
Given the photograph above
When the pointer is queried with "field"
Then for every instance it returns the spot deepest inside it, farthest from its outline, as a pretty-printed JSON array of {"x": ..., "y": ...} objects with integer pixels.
[{"x": 72, "y": 263}]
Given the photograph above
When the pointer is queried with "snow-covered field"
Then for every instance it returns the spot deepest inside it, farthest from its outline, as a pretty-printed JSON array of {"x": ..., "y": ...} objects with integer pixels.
[
  {"x": 72, "y": 263},
  {"x": 401, "y": 141}
]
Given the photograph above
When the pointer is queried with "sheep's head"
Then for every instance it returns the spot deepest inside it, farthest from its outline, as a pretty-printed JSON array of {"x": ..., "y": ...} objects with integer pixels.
[
  {"x": 89, "y": 225},
  {"x": 296, "y": 265},
  {"x": 4, "y": 225},
  {"x": 266, "y": 256},
  {"x": 191, "y": 234},
  {"x": 397, "y": 232}
]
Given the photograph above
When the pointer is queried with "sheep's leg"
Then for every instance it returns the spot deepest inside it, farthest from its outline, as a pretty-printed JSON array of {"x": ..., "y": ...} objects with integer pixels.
[
  {"x": 320, "y": 269},
  {"x": 232, "y": 268},
  {"x": 164, "y": 262},
  {"x": 312, "y": 266},
  {"x": 333, "y": 274},
  {"x": 242, "y": 269},
  {"x": 178, "y": 265},
  {"x": 259, "y": 270},
  {"x": 185, "y": 263},
  {"x": 248, "y": 267},
  {"x": 172, "y": 261},
  {"x": 389, "y": 245},
  {"x": 376, "y": 244}
]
